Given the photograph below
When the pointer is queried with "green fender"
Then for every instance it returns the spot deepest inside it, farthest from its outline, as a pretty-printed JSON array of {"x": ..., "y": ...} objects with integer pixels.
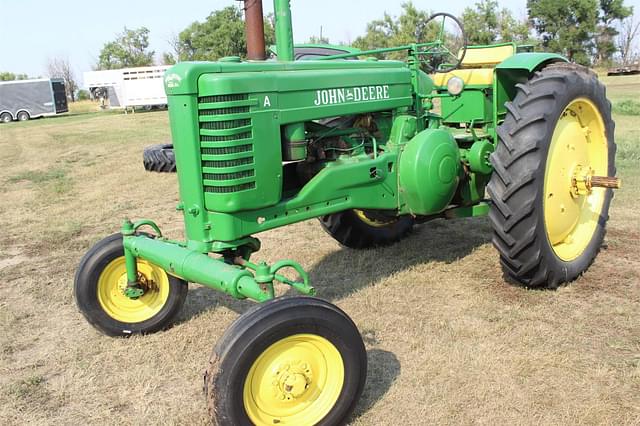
[
  {"x": 529, "y": 61},
  {"x": 512, "y": 71}
]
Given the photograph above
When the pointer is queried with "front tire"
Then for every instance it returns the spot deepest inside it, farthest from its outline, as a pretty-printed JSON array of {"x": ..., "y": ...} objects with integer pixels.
[
  {"x": 293, "y": 360},
  {"x": 558, "y": 130},
  {"x": 5, "y": 117},
  {"x": 99, "y": 292},
  {"x": 23, "y": 116}
]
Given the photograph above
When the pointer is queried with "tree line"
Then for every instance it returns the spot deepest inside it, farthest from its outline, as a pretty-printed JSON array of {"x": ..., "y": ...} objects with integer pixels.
[{"x": 589, "y": 32}]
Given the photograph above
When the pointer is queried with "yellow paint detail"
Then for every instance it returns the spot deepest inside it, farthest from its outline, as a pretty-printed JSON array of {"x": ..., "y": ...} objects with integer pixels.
[
  {"x": 477, "y": 67},
  {"x": 113, "y": 281},
  {"x": 295, "y": 381},
  {"x": 373, "y": 222},
  {"x": 476, "y": 76},
  {"x": 578, "y": 148}
]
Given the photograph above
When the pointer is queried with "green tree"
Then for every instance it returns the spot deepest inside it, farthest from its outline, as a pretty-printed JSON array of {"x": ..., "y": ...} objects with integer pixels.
[
  {"x": 566, "y": 27},
  {"x": 318, "y": 40},
  {"x": 410, "y": 27},
  {"x": 168, "y": 58},
  {"x": 83, "y": 95},
  {"x": 605, "y": 40},
  {"x": 481, "y": 23},
  {"x": 486, "y": 24},
  {"x": 129, "y": 49},
  {"x": 9, "y": 76},
  {"x": 221, "y": 34}
]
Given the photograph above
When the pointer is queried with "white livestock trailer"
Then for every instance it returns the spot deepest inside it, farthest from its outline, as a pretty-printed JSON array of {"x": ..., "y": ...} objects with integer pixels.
[{"x": 128, "y": 87}]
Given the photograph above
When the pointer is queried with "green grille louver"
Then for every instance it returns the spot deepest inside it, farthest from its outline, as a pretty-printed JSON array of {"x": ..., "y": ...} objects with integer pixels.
[{"x": 226, "y": 143}]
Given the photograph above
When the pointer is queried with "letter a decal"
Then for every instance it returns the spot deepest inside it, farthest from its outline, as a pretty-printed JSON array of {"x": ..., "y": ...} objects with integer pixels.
[{"x": 267, "y": 102}]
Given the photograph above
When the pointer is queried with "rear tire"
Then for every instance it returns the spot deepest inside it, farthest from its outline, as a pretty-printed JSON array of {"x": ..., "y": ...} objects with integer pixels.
[
  {"x": 558, "y": 126},
  {"x": 292, "y": 360},
  {"x": 23, "y": 116},
  {"x": 5, "y": 117},
  {"x": 362, "y": 229},
  {"x": 159, "y": 158}
]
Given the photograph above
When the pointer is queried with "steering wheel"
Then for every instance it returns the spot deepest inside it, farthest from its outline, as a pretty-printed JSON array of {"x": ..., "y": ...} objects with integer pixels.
[{"x": 439, "y": 53}]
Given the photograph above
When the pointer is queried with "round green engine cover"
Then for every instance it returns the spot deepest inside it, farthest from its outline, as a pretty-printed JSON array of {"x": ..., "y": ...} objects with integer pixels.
[{"x": 429, "y": 171}]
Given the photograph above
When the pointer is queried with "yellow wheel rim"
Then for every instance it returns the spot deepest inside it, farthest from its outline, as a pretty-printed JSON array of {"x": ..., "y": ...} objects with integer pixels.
[
  {"x": 362, "y": 215},
  {"x": 295, "y": 381},
  {"x": 113, "y": 282},
  {"x": 578, "y": 149}
]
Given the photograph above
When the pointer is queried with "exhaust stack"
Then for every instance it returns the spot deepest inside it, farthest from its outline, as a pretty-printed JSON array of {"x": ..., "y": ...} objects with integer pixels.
[{"x": 254, "y": 30}]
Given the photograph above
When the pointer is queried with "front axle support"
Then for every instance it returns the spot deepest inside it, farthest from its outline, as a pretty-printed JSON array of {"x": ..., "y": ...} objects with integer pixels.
[{"x": 190, "y": 265}]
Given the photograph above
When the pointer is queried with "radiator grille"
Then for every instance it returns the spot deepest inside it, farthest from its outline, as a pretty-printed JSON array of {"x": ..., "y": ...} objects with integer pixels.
[
  {"x": 228, "y": 176},
  {"x": 229, "y": 189},
  {"x": 237, "y": 137},
  {"x": 228, "y": 163},
  {"x": 222, "y": 111},
  {"x": 227, "y": 150},
  {"x": 226, "y": 143},
  {"x": 224, "y": 125},
  {"x": 222, "y": 98}
]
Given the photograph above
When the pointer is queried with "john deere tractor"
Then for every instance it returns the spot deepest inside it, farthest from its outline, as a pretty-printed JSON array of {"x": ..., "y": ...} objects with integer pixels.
[{"x": 371, "y": 148}]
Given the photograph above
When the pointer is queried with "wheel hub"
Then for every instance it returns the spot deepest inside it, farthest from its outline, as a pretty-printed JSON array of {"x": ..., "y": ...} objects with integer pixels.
[
  {"x": 132, "y": 304},
  {"x": 142, "y": 286},
  {"x": 583, "y": 181},
  {"x": 292, "y": 380}
]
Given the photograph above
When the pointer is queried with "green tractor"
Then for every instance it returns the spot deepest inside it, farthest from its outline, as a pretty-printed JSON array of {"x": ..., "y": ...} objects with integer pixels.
[{"x": 370, "y": 147}]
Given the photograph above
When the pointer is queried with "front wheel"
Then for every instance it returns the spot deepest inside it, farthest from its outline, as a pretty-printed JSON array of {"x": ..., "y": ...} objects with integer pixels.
[
  {"x": 99, "y": 289},
  {"x": 23, "y": 116},
  {"x": 552, "y": 170},
  {"x": 291, "y": 361},
  {"x": 5, "y": 117}
]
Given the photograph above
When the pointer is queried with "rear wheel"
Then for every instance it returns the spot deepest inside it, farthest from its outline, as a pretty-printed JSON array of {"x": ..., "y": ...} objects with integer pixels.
[
  {"x": 361, "y": 229},
  {"x": 100, "y": 285},
  {"x": 556, "y": 141},
  {"x": 159, "y": 158},
  {"x": 5, "y": 117},
  {"x": 294, "y": 361},
  {"x": 23, "y": 116}
]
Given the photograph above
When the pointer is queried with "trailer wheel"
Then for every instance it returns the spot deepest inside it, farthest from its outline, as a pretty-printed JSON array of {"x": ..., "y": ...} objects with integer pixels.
[
  {"x": 292, "y": 361},
  {"x": 23, "y": 116},
  {"x": 159, "y": 158},
  {"x": 99, "y": 292},
  {"x": 5, "y": 117},
  {"x": 362, "y": 229},
  {"x": 548, "y": 221}
]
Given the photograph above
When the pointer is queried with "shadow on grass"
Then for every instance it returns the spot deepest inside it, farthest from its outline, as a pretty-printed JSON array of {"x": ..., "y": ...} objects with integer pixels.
[
  {"x": 382, "y": 370},
  {"x": 346, "y": 271}
]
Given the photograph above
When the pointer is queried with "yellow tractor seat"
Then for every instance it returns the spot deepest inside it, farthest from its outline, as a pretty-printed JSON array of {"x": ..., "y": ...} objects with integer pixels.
[{"x": 477, "y": 65}]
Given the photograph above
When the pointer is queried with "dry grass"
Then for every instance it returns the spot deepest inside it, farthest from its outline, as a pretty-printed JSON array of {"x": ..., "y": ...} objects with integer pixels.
[{"x": 448, "y": 340}]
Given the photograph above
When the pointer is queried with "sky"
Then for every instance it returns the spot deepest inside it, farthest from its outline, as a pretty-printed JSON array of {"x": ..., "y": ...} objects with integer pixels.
[{"x": 32, "y": 31}]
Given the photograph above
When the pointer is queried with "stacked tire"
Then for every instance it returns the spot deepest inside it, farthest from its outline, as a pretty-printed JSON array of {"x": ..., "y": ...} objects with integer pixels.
[{"x": 159, "y": 158}]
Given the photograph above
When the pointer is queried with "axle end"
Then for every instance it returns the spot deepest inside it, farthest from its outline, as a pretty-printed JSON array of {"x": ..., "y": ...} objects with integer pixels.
[{"x": 605, "y": 182}]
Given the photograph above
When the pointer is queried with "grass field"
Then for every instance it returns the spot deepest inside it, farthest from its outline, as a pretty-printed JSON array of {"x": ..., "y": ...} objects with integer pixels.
[{"x": 448, "y": 341}]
